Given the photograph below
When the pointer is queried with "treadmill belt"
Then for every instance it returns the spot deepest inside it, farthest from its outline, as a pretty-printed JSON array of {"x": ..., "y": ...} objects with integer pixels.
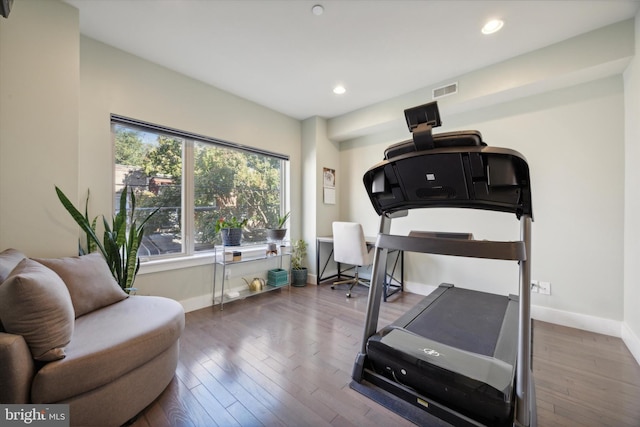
[{"x": 464, "y": 319}]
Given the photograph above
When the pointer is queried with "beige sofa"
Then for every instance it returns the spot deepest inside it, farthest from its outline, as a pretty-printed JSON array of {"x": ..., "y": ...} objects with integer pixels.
[{"x": 69, "y": 334}]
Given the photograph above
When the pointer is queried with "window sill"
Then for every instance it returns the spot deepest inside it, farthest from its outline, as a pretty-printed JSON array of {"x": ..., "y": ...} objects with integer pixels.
[{"x": 166, "y": 264}]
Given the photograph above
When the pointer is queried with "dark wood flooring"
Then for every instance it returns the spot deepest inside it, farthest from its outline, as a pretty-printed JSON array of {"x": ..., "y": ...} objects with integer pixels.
[{"x": 284, "y": 359}]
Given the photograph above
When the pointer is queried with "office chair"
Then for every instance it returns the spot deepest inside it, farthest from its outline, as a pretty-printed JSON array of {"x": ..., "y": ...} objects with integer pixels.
[{"x": 349, "y": 247}]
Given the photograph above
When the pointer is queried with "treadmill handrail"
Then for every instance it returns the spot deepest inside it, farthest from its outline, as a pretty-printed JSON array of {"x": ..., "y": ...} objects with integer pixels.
[{"x": 487, "y": 249}]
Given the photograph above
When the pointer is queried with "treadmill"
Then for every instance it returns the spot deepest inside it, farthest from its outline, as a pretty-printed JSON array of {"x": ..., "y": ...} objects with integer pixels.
[{"x": 460, "y": 357}]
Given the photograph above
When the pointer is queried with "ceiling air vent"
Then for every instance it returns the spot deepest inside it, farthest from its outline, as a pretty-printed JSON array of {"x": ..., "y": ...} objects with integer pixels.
[{"x": 449, "y": 89}]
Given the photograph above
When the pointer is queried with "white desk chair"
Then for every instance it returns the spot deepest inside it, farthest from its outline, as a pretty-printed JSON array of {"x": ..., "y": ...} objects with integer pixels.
[{"x": 349, "y": 247}]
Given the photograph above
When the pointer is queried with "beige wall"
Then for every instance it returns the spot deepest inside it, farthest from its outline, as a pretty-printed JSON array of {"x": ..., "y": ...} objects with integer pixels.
[
  {"x": 319, "y": 153},
  {"x": 577, "y": 183},
  {"x": 39, "y": 92},
  {"x": 631, "y": 332}
]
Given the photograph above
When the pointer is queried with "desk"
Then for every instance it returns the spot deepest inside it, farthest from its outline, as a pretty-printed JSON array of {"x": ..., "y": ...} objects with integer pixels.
[{"x": 391, "y": 283}]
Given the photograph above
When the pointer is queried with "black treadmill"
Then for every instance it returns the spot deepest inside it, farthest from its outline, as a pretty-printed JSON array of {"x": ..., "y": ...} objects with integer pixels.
[{"x": 460, "y": 357}]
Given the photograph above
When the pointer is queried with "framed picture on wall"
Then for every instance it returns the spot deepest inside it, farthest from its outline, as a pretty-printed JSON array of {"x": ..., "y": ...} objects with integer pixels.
[
  {"x": 329, "y": 184},
  {"x": 329, "y": 177}
]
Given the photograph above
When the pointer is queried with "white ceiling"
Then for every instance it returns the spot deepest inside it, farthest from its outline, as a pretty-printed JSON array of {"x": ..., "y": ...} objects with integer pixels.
[{"x": 280, "y": 55}]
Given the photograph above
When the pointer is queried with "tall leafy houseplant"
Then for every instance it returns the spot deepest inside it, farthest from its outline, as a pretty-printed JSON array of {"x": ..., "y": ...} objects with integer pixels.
[
  {"x": 298, "y": 271},
  {"x": 121, "y": 238}
]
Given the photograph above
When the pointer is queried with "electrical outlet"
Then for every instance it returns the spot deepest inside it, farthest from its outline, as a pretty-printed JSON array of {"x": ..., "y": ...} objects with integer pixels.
[
  {"x": 544, "y": 288},
  {"x": 535, "y": 287}
]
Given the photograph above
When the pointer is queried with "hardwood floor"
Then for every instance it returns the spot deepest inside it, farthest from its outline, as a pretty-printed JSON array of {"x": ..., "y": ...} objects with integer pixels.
[
  {"x": 285, "y": 359},
  {"x": 584, "y": 379}
]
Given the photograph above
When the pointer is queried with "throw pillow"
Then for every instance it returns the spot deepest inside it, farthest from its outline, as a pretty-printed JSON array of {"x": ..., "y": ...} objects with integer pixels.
[
  {"x": 9, "y": 259},
  {"x": 89, "y": 281},
  {"x": 35, "y": 303}
]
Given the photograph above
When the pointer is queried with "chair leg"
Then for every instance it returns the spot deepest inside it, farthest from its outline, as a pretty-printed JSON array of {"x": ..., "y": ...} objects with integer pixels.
[
  {"x": 341, "y": 282},
  {"x": 351, "y": 282},
  {"x": 355, "y": 282}
]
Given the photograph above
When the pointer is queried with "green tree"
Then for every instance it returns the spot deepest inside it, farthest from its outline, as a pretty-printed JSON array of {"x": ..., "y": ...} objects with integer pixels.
[
  {"x": 258, "y": 187},
  {"x": 130, "y": 149},
  {"x": 165, "y": 159},
  {"x": 214, "y": 182},
  {"x": 235, "y": 183}
]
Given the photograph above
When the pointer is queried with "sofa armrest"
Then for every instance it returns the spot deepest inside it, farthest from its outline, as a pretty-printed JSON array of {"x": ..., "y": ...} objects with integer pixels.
[{"x": 16, "y": 369}]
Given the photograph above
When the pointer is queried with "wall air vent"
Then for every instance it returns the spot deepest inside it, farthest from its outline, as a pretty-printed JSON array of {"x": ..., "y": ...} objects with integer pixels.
[{"x": 449, "y": 89}]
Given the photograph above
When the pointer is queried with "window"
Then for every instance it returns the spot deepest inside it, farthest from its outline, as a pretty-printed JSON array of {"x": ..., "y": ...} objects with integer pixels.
[{"x": 194, "y": 180}]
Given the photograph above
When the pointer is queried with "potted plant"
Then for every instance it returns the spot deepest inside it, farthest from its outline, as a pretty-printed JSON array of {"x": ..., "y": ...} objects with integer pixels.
[
  {"x": 231, "y": 230},
  {"x": 298, "y": 271},
  {"x": 121, "y": 239},
  {"x": 279, "y": 231}
]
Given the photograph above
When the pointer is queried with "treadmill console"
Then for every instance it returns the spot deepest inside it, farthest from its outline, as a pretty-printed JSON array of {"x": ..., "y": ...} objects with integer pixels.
[{"x": 454, "y": 169}]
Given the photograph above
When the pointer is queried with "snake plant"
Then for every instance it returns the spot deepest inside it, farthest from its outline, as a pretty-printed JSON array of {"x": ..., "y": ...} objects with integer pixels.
[{"x": 121, "y": 238}]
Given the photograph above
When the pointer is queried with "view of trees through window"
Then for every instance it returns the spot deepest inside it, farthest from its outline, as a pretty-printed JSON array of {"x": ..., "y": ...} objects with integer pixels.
[{"x": 194, "y": 183}]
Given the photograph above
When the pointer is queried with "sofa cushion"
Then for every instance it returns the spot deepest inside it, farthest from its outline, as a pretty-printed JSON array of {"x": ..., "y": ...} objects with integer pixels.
[
  {"x": 35, "y": 303},
  {"x": 9, "y": 259},
  {"x": 89, "y": 281},
  {"x": 108, "y": 343}
]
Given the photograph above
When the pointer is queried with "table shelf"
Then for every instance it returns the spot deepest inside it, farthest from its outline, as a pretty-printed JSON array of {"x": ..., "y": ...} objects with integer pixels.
[
  {"x": 251, "y": 253},
  {"x": 246, "y": 293}
]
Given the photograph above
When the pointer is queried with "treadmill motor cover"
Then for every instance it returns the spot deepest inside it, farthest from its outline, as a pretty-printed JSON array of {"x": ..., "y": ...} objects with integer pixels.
[
  {"x": 478, "y": 386},
  {"x": 475, "y": 379}
]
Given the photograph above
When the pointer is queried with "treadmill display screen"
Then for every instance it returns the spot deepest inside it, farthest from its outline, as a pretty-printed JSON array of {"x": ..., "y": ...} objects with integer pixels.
[{"x": 440, "y": 176}]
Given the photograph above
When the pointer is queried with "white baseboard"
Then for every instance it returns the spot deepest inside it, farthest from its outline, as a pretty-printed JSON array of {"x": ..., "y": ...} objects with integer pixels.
[
  {"x": 632, "y": 341},
  {"x": 196, "y": 303},
  {"x": 418, "y": 288},
  {"x": 577, "y": 320}
]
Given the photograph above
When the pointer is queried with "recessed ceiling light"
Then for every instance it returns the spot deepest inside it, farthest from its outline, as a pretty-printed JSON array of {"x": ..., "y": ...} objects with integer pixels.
[
  {"x": 317, "y": 10},
  {"x": 492, "y": 26},
  {"x": 339, "y": 90}
]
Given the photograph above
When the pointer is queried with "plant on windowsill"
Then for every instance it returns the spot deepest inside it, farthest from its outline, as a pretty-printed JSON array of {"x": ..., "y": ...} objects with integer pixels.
[
  {"x": 121, "y": 239},
  {"x": 298, "y": 271},
  {"x": 231, "y": 230},
  {"x": 279, "y": 231}
]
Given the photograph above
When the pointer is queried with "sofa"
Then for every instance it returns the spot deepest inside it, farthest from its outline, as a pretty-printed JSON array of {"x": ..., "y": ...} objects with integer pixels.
[{"x": 70, "y": 335}]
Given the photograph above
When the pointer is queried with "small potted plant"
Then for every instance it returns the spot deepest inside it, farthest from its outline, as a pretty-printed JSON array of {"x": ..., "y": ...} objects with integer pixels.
[
  {"x": 279, "y": 231},
  {"x": 298, "y": 271},
  {"x": 230, "y": 230}
]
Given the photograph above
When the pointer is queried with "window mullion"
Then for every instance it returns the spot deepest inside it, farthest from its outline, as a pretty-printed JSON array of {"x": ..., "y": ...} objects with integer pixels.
[{"x": 188, "y": 200}]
